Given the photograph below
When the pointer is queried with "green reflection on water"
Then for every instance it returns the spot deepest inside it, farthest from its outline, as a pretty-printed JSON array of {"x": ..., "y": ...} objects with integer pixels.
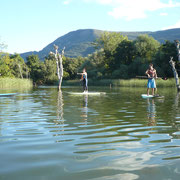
[{"x": 47, "y": 133}]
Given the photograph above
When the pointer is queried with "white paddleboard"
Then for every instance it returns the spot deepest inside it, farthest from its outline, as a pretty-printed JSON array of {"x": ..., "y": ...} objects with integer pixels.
[
  {"x": 7, "y": 94},
  {"x": 146, "y": 96},
  {"x": 86, "y": 93},
  {"x": 150, "y": 96}
]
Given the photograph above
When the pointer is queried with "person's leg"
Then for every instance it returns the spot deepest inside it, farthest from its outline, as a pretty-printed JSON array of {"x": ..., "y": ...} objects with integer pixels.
[
  {"x": 84, "y": 86},
  {"x": 153, "y": 91},
  {"x": 148, "y": 86},
  {"x": 153, "y": 87},
  {"x": 87, "y": 85},
  {"x": 148, "y": 91}
]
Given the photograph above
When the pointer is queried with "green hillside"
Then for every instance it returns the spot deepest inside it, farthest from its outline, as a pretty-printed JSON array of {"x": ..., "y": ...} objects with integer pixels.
[{"x": 79, "y": 43}]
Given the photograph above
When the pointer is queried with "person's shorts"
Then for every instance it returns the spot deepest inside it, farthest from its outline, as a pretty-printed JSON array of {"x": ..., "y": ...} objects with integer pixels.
[{"x": 151, "y": 83}]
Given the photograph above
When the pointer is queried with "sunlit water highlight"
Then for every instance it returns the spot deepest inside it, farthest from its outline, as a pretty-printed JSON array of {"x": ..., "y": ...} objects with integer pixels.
[{"x": 45, "y": 134}]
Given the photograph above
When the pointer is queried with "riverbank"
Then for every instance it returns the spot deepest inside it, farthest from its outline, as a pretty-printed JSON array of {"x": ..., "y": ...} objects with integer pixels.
[
  {"x": 121, "y": 82},
  {"x": 15, "y": 83}
]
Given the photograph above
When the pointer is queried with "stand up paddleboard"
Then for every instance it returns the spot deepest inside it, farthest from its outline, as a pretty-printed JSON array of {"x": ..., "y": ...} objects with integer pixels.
[
  {"x": 151, "y": 96},
  {"x": 86, "y": 93},
  {"x": 7, "y": 94}
]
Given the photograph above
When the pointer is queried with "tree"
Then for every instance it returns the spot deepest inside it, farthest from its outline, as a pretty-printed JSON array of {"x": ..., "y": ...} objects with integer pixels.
[
  {"x": 109, "y": 42},
  {"x": 166, "y": 50},
  {"x": 125, "y": 54},
  {"x": 50, "y": 74},
  {"x": 122, "y": 72},
  {"x": 36, "y": 68},
  {"x": 94, "y": 65},
  {"x": 59, "y": 64},
  {"x": 137, "y": 67},
  {"x": 71, "y": 66},
  {"x": 146, "y": 47},
  {"x": 5, "y": 69},
  {"x": 18, "y": 66}
]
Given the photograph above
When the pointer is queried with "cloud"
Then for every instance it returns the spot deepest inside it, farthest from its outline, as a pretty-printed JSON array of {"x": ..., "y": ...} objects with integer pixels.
[
  {"x": 66, "y": 2},
  {"x": 134, "y": 9},
  {"x": 163, "y": 14},
  {"x": 177, "y": 25}
]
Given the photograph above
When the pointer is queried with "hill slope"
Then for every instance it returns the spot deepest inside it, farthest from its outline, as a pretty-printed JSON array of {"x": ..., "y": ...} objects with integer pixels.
[{"x": 79, "y": 43}]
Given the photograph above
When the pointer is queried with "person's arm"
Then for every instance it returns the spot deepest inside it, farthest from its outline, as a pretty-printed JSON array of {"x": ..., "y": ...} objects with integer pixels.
[
  {"x": 81, "y": 76},
  {"x": 155, "y": 74},
  {"x": 147, "y": 73}
]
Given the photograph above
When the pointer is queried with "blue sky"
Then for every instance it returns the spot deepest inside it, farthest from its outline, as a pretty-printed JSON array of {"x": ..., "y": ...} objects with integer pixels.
[{"x": 30, "y": 25}]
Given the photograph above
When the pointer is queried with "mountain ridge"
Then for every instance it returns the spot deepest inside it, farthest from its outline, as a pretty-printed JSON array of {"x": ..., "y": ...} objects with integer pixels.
[{"x": 79, "y": 42}]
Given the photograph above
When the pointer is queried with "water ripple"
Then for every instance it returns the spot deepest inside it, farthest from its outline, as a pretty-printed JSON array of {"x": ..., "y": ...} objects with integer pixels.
[{"x": 120, "y": 136}]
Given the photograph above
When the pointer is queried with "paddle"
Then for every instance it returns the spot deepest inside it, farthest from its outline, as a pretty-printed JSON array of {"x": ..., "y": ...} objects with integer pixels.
[{"x": 145, "y": 77}]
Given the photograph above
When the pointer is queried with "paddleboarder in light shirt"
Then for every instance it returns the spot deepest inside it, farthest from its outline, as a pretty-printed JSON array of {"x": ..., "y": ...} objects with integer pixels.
[
  {"x": 84, "y": 80},
  {"x": 151, "y": 73}
]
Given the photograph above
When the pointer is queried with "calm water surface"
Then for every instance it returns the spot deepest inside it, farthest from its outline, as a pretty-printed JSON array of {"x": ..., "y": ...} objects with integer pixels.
[{"x": 46, "y": 135}]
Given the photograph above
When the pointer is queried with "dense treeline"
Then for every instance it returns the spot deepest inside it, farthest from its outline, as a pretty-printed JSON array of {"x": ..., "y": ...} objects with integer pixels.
[
  {"x": 116, "y": 57},
  {"x": 122, "y": 58},
  {"x": 13, "y": 66}
]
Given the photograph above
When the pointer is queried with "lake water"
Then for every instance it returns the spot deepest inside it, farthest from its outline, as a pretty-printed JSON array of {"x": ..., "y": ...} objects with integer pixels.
[{"x": 48, "y": 135}]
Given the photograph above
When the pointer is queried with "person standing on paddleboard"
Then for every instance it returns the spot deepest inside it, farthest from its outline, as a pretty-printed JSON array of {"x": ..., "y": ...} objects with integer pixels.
[
  {"x": 84, "y": 80},
  {"x": 151, "y": 73}
]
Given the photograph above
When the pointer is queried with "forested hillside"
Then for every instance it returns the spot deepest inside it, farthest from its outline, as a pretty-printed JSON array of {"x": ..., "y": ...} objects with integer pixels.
[
  {"x": 116, "y": 57},
  {"x": 80, "y": 42}
]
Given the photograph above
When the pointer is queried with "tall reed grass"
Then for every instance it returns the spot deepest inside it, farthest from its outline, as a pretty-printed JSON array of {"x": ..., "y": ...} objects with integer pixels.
[
  {"x": 15, "y": 83},
  {"x": 143, "y": 83},
  {"x": 122, "y": 82}
]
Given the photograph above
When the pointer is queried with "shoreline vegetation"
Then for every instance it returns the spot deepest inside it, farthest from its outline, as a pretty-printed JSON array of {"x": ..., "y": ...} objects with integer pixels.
[
  {"x": 15, "y": 83},
  {"x": 114, "y": 63},
  {"x": 121, "y": 82}
]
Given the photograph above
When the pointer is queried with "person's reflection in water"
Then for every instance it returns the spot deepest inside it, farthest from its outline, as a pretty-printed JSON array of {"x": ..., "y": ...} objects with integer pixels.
[
  {"x": 85, "y": 109},
  {"x": 151, "y": 112}
]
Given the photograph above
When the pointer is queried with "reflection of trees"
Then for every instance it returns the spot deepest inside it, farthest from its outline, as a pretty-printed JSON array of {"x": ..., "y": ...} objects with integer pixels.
[
  {"x": 151, "y": 112},
  {"x": 170, "y": 113},
  {"x": 0, "y": 128},
  {"x": 59, "y": 121},
  {"x": 176, "y": 103},
  {"x": 5, "y": 111},
  {"x": 60, "y": 104},
  {"x": 176, "y": 113}
]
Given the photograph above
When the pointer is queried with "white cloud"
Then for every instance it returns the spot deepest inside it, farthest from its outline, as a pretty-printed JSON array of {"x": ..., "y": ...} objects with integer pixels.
[
  {"x": 134, "y": 9},
  {"x": 163, "y": 14},
  {"x": 66, "y": 2},
  {"x": 177, "y": 25},
  {"x": 105, "y": 1}
]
